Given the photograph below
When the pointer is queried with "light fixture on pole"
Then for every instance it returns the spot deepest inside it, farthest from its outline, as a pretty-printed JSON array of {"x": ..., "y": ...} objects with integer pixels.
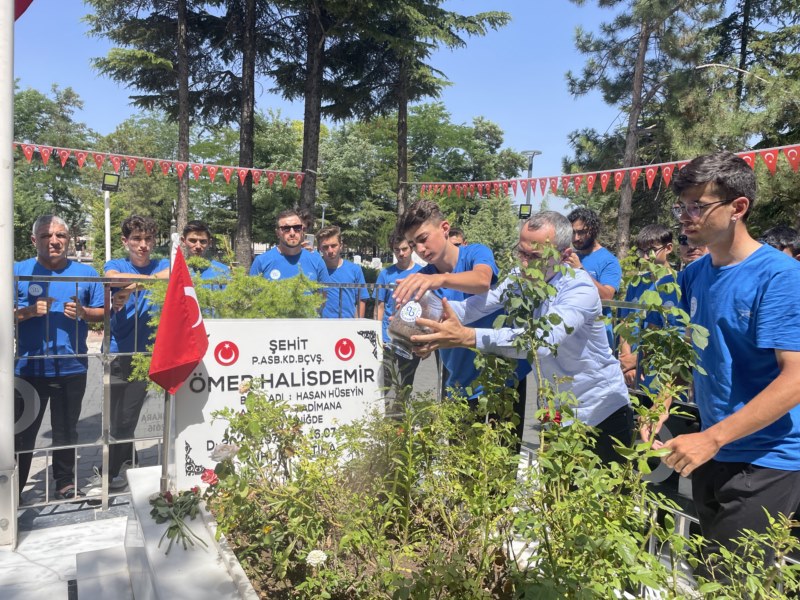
[
  {"x": 110, "y": 184},
  {"x": 530, "y": 154},
  {"x": 324, "y": 205}
]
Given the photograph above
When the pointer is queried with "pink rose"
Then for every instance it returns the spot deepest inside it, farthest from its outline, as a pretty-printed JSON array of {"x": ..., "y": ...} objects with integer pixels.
[{"x": 209, "y": 477}]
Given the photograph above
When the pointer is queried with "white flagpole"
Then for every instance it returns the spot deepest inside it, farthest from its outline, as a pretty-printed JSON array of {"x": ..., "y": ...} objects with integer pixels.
[{"x": 166, "y": 445}]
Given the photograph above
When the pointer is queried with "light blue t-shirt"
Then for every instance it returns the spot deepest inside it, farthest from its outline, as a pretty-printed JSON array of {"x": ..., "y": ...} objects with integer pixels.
[
  {"x": 606, "y": 270},
  {"x": 583, "y": 362},
  {"x": 750, "y": 309},
  {"x": 130, "y": 328},
  {"x": 389, "y": 276},
  {"x": 55, "y": 333},
  {"x": 216, "y": 270},
  {"x": 274, "y": 265},
  {"x": 460, "y": 362},
  {"x": 347, "y": 272}
]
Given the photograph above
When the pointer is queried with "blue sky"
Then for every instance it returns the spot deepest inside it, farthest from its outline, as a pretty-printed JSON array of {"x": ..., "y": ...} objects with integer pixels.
[{"x": 513, "y": 77}]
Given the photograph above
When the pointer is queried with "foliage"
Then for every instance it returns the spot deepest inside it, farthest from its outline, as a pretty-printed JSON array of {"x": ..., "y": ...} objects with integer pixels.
[{"x": 494, "y": 224}]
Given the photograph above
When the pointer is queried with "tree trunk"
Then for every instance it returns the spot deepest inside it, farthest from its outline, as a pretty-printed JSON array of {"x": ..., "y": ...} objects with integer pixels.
[
  {"x": 315, "y": 56},
  {"x": 631, "y": 144},
  {"x": 182, "y": 212},
  {"x": 402, "y": 141},
  {"x": 744, "y": 36},
  {"x": 244, "y": 191}
]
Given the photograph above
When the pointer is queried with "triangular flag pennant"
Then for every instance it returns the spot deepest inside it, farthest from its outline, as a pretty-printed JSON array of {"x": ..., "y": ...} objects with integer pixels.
[
  {"x": 523, "y": 183},
  {"x": 682, "y": 164},
  {"x": 554, "y": 185},
  {"x": 576, "y": 182},
  {"x": 449, "y": 189},
  {"x": 180, "y": 168},
  {"x": 749, "y": 158},
  {"x": 458, "y": 190},
  {"x": 564, "y": 183},
  {"x": 196, "y": 170},
  {"x": 666, "y": 173},
  {"x": 116, "y": 162},
  {"x": 618, "y": 177},
  {"x": 63, "y": 154},
  {"x": 496, "y": 188},
  {"x": 604, "y": 177},
  {"x": 771, "y": 158},
  {"x": 181, "y": 339},
  {"x": 542, "y": 184},
  {"x": 480, "y": 188},
  {"x": 226, "y": 173},
  {"x": 284, "y": 178},
  {"x": 149, "y": 163},
  {"x": 27, "y": 150},
  {"x": 212, "y": 172},
  {"x": 422, "y": 189},
  {"x": 256, "y": 173},
  {"x": 634, "y": 177},
  {"x": 590, "y": 179},
  {"x": 45, "y": 152},
  {"x": 99, "y": 160},
  {"x": 270, "y": 177},
  {"x": 505, "y": 187},
  {"x": 242, "y": 174},
  {"x": 514, "y": 186},
  {"x": 650, "y": 175},
  {"x": 165, "y": 166},
  {"x": 81, "y": 156},
  {"x": 793, "y": 156},
  {"x": 298, "y": 179},
  {"x": 472, "y": 187},
  {"x": 131, "y": 161}
]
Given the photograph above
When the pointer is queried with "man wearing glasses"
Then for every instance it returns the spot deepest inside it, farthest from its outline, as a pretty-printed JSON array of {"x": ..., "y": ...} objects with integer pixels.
[
  {"x": 289, "y": 258},
  {"x": 583, "y": 362},
  {"x": 745, "y": 462}
]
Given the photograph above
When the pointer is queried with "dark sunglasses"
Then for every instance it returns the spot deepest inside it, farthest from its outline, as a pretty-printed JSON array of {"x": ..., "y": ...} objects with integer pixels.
[
  {"x": 683, "y": 240},
  {"x": 288, "y": 228}
]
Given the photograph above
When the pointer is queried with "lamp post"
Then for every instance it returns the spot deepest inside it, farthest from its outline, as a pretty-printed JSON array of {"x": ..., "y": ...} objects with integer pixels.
[
  {"x": 110, "y": 184},
  {"x": 530, "y": 154},
  {"x": 324, "y": 205}
]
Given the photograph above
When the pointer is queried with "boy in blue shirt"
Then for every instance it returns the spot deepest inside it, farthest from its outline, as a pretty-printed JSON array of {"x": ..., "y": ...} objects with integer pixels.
[
  {"x": 341, "y": 303},
  {"x": 52, "y": 318},
  {"x": 746, "y": 460},
  {"x": 385, "y": 307},
  {"x": 196, "y": 240}
]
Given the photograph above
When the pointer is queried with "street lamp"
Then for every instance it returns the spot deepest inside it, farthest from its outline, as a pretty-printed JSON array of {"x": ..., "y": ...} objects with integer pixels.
[
  {"x": 530, "y": 154},
  {"x": 324, "y": 205},
  {"x": 110, "y": 184}
]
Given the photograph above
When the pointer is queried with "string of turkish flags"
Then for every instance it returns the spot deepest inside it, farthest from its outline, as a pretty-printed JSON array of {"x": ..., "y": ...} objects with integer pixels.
[
  {"x": 575, "y": 180},
  {"x": 166, "y": 166}
]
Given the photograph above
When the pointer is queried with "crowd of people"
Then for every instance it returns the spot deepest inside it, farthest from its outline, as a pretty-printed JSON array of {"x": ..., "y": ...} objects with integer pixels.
[{"x": 744, "y": 461}]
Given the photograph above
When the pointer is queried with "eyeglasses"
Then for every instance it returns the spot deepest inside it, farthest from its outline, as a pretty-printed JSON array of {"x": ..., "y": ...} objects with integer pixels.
[
  {"x": 683, "y": 240},
  {"x": 288, "y": 228},
  {"x": 647, "y": 251},
  {"x": 693, "y": 209},
  {"x": 525, "y": 255}
]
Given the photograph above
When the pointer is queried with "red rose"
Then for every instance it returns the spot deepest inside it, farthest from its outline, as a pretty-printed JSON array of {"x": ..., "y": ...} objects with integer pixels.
[{"x": 209, "y": 477}]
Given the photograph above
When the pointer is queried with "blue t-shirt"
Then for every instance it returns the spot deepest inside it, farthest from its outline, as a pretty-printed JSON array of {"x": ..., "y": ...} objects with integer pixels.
[
  {"x": 274, "y": 265},
  {"x": 386, "y": 277},
  {"x": 750, "y": 309},
  {"x": 54, "y": 333},
  {"x": 606, "y": 270},
  {"x": 130, "y": 330},
  {"x": 215, "y": 271},
  {"x": 347, "y": 272},
  {"x": 460, "y": 362}
]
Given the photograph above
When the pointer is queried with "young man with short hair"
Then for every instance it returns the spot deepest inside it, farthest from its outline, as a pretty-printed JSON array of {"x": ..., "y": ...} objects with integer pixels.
[
  {"x": 341, "y": 303},
  {"x": 745, "y": 463},
  {"x": 52, "y": 318},
  {"x": 288, "y": 258},
  {"x": 197, "y": 241},
  {"x": 385, "y": 307},
  {"x": 130, "y": 332},
  {"x": 457, "y": 237},
  {"x": 454, "y": 273}
]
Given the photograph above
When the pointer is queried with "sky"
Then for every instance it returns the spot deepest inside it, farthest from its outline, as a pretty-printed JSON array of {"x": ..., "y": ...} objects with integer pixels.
[{"x": 514, "y": 77}]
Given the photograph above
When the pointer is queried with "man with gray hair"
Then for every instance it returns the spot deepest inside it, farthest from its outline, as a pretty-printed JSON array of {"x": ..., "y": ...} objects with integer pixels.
[
  {"x": 584, "y": 361},
  {"x": 52, "y": 319}
]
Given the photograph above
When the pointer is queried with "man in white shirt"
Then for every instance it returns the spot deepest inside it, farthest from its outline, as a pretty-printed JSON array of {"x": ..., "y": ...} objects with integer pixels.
[{"x": 583, "y": 355}]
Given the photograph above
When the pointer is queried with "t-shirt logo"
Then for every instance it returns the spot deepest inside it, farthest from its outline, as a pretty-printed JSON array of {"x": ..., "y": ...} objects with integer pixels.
[
  {"x": 693, "y": 307},
  {"x": 411, "y": 312},
  {"x": 35, "y": 289},
  {"x": 275, "y": 274}
]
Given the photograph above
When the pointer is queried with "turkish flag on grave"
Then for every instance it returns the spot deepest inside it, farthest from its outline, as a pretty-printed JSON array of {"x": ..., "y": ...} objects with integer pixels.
[{"x": 181, "y": 339}]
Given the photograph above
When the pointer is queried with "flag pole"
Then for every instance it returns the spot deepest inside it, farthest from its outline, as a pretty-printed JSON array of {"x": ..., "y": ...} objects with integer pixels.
[{"x": 166, "y": 442}]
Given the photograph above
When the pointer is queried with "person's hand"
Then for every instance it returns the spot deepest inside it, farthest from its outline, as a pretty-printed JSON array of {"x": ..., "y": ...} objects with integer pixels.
[
  {"x": 41, "y": 307},
  {"x": 120, "y": 298},
  {"x": 415, "y": 285},
  {"x": 573, "y": 261},
  {"x": 74, "y": 309},
  {"x": 447, "y": 333},
  {"x": 690, "y": 451},
  {"x": 646, "y": 431},
  {"x": 630, "y": 377}
]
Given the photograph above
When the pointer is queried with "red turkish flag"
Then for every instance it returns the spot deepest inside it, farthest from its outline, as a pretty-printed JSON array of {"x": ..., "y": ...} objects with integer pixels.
[
  {"x": 148, "y": 165},
  {"x": 212, "y": 172},
  {"x": 27, "y": 150},
  {"x": 749, "y": 158},
  {"x": 63, "y": 154},
  {"x": 650, "y": 175},
  {"x": 196, "y": 170},
  {"x": 298, "y": 179},
  {"x": 576, "y": 182},
  {"x": 45, "y": 153},
  {"x": 524, "y": 185},
  {"x": 634, "y": 177},
  {"x": 284, "y": 178},
  {"x": 472, "y": 186},
  {"x": 542, "y": 184},
  {"x": 116, "y": 161},
  {"x": 165, "y": 166},
  {"x": 770, "y": 158},
  {"x": 590, "y": 179},
  {"x": 666, "y": 173},
  {"x": 604, "y": 177},
  {"x": 99, "y": 160},
  {"x": 618, "y": 177},
  {"x": 514, "y": 186},
  {"x": 554, "y": 185},
  {"x": 271, "y": 177},
  {"x": 131, "y": 162},
  {"x": 226, "y": 173},
  {"x": 256, "y": 174},
  {"x": 242, "y": 173},
  {"x": 793, "y": 156},
  {"x": 564, "y": 183},
  {"x": 20, "y": 6},
  {"x": 81, "y": 156},
  {"x": 180, "y": 168},
  {"x": 181, "y": 339}
]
